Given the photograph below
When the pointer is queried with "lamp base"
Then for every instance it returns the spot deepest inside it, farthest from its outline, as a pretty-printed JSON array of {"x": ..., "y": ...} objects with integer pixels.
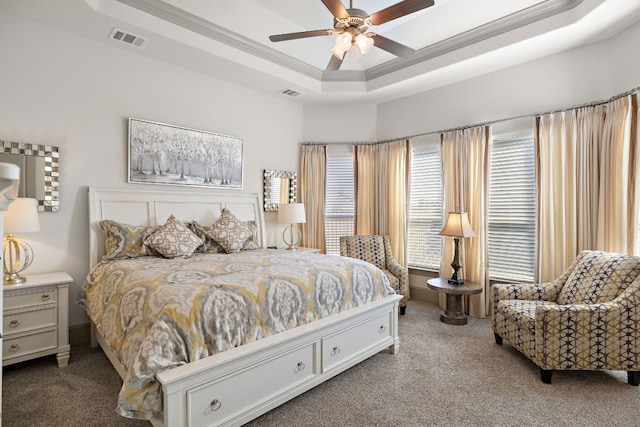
[
  {"x": 294, "y": 237},
  {"x": 13, "y": 279},
  {"x": 456, "y": 281}
]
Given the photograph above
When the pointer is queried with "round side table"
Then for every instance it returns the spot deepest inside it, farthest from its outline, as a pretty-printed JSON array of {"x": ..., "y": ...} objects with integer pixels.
[{"x": 454, "y": 314}]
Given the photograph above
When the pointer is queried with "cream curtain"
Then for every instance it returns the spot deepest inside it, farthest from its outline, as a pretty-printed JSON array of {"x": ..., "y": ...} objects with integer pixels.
[
  {"x": 311, "y": 192},
  {"x": 585, "y": 172},
  {"x": 382, "y": 192},
  {"x": 465, "y": 154}
]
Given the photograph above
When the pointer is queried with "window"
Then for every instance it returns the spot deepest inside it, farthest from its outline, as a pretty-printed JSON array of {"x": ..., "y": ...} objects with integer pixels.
[
  {"x": 511, "y": 214},
  {"x": 340, "y": 200},
  {"x": 424, "y": 243}
]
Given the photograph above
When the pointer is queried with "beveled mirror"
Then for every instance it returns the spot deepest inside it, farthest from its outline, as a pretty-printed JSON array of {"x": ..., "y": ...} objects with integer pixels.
[
  {"x": 39, "y": 172},
  {"x": 279, "y": 187}
]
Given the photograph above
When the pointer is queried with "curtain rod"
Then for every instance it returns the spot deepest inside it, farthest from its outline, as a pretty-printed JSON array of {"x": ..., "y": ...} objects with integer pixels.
[{"x": 588, "y": 104}]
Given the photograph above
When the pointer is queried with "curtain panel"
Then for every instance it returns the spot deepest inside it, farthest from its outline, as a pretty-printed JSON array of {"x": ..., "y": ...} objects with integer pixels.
[
  {"x": 382, "y": 192},
  {"x": 311, "y": 192},
  {"x": 465, "y": 158},
  {"x": 586, "y": 161}
]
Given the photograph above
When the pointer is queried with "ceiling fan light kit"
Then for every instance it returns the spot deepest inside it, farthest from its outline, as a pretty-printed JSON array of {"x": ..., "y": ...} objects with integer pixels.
[{"x": 352, "y": 24}]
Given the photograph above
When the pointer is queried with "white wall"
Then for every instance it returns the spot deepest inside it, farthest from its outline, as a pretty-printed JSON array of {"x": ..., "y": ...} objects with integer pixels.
[
  {"x": 339, "y": 123},
  {"x": 64, "y": 90}
]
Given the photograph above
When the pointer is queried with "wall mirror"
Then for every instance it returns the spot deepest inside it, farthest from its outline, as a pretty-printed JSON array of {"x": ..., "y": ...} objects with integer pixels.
[
  {"x": 39, "y": 172},
  {"x": 279, "y": 187}
]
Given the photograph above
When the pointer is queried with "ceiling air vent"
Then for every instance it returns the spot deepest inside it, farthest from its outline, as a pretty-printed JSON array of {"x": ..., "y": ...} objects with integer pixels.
[
  {"x": 290, "y": 92},
  {"x": 128, "y": 38}
]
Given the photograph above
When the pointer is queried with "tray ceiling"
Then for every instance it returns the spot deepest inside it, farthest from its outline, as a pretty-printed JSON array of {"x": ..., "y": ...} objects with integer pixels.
[{"x": 454, "y": 39}]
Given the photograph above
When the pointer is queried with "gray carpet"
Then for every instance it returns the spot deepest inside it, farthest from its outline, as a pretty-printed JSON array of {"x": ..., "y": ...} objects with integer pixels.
[{"x": 443, "y": 376}]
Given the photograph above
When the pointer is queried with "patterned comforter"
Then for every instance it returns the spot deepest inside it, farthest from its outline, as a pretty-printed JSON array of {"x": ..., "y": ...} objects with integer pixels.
[{"x": 157, "y": 313}]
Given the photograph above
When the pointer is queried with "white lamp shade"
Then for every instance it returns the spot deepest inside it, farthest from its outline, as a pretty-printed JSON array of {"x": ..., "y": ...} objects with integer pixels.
[
  {"x": 22, "y": 216},
  {"x": 458, "y": 225},
  {"x": 291, "y": 213},
  {"x": 343, "y": 41},
  {"x": 337, "y": 52},
  {"x": 365, "y": 44}
]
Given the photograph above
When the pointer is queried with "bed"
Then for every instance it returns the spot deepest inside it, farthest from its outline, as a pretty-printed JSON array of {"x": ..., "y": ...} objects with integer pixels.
[{"x": 254, "y": 375}]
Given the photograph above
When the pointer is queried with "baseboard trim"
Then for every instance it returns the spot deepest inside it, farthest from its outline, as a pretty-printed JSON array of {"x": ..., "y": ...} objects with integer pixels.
[{"x": 79, "y": 334}]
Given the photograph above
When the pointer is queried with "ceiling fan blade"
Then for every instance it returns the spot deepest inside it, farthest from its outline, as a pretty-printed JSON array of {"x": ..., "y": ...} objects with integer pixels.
[
  {"x": 334, "y": 63},
  {"x": 391, "y": 46},
  {"x": 399, "y": 9},
  {"x": 336, "y": 8},
  {"x": 300, "y": 35}
]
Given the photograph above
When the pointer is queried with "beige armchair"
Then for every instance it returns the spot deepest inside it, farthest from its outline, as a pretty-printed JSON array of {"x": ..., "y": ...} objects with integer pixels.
[
  {"x": 587, "y": 319},
  {"x": 377, "y": 250}
]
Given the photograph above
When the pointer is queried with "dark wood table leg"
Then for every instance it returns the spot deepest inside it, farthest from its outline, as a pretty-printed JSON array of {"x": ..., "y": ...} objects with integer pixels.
[{"x": 453, "y": 314}]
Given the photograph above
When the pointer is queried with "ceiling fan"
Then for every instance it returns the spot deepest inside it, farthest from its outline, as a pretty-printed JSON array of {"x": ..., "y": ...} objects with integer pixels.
[{"x": 352, "y": 25}]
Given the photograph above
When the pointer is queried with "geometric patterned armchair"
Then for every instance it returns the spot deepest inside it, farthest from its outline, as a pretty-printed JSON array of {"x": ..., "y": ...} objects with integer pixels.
[
  {"x": 377, "y": 251},
  {"x": 587, "y": 319}
]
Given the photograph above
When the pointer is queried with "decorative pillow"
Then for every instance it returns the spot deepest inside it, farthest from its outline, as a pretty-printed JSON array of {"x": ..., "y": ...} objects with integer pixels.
[
  {"x": 229, "y": 232},
  {"x": 174, "y": 239},
  {"x": 125, "y": 241},
  {"x": 208, "y": 244},
  {"x": 599, "y": 277},
  {"x": 252, "y": 241}
]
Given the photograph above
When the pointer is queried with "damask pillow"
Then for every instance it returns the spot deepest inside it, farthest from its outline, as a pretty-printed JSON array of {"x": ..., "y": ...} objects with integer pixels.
[
  {"x": 252, "y": 241},
  {"x": 208, "y": 244},
  {"x": 229, "y": 232},
  {"x": 125, "y": 241},
  {"x": 174, "y": 239}
]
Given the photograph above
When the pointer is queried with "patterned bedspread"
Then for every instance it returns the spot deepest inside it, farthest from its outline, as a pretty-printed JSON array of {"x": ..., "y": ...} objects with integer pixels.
[{"x": 156, "y": 313}]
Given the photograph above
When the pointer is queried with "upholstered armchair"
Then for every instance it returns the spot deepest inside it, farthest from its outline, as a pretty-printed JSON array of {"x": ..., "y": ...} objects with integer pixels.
[
  {"x": 377, "y": 250},
  {"x": 588, "y": 318}
]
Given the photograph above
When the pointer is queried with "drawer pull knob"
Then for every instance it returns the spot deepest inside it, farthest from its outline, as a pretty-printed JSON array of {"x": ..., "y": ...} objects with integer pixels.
[
  {"x": 45, "y": 297},
  {"x": 382, "y": 329},
  {"x": 14, "y": 347},
  {"x": 14, "y": 324},
  {"x": 215, "y": 405},
  {"x": 335, "y": 351},
  {"x": 300, "y": 367}
]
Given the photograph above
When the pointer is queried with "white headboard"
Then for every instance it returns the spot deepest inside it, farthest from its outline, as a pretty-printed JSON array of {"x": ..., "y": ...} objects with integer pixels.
[{"x": 140, "y": 207}]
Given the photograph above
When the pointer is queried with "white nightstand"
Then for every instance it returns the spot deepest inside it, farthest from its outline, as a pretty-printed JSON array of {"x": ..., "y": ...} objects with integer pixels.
[{"x": 36, "y": 319}]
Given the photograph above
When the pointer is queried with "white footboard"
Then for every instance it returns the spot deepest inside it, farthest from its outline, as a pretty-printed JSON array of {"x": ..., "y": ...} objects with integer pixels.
[{"x": 238, "y": 385}]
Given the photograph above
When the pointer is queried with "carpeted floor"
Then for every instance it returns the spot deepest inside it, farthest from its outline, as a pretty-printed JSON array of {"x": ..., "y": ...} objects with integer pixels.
[{"x": 444, "y": 375}]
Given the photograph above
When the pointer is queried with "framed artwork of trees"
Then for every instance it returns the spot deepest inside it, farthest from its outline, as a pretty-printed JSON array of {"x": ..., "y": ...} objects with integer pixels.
[{"x": 168, "y": 154}]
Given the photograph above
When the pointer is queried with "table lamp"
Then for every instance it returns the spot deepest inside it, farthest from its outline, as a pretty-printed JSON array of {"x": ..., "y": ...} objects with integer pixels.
[
  {"x": 457, "y": 226},
  {"x": 291, "y": 213},
  {"x": 21, "y": 217}
]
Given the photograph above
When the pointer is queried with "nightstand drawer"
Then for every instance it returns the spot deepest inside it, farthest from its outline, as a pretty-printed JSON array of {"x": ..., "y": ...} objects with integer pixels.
[
  {"x": 29, "y": 319},
  {"x": 21, "y": 346},
  {"x": 14, "y": 299}
]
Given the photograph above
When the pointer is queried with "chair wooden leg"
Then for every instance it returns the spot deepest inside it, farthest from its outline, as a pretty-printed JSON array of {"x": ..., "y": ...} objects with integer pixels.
[
  {"x": 498, "y": 338},
  {"x": 545, "y": 375},
  {"x": 633, "y": 378}
]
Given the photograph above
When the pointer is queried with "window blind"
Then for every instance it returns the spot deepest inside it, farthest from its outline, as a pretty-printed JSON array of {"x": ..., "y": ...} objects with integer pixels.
[
  {"x": 424, "y": 243},
  {"x": 339, "y": 201},
  {"x": 512, "y": 211}
]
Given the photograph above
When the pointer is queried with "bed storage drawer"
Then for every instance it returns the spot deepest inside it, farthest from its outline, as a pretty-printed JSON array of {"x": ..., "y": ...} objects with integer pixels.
[
  {"x": 219, "y": 402},
  {"x": 345, "y": 344}
]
